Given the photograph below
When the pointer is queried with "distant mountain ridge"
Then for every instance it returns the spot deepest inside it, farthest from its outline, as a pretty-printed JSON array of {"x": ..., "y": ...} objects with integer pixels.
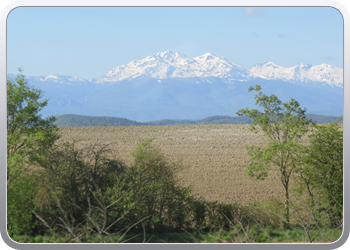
[
  {"x": 169, "y": 85},
  {"x": 302, "y": 72},
  {"x": 170, "y": 64},
  {"x": 70, "y": 120}
]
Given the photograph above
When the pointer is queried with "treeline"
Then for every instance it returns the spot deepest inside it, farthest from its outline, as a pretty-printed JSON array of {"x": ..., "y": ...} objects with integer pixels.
[
  {"x": 55, "y": 189},
  {"x": 70, "y": 120}
]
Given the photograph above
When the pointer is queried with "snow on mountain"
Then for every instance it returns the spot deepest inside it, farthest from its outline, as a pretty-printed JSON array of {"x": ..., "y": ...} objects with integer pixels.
[
  {"x": 58, "y": 79},
  {"x": 209, "y": 64},
  {"x": 170, "y": 64},
  {"x": 301, "y": 72},
  {"x": 326, "y": 73}
]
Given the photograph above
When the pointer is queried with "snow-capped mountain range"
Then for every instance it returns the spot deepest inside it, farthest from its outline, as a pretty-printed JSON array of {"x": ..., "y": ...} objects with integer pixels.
[
  {"x": 301, "y": 72},
  {"x": 170, "y": 64},
  {"x": 169, "y": 85}
]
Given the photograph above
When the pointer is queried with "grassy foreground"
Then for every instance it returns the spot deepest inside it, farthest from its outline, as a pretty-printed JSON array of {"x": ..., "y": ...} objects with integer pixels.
[{"x": 253, "y": 236}]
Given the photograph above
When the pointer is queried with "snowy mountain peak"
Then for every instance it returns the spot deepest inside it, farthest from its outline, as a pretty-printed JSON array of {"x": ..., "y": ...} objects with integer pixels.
[
  {"x": 63, "y": 79},
  {"x": 269, "y": 71},
  {"x": 300, "y": 73},
  {"x": 270, "y": 64},
  {"x": 169, "y": 54},
  {"x": 208, "y": 56},
  {"x": 169, "y": 64},
  {"x": 213, "y": 58},
  {"x": 304, "y": 66}
]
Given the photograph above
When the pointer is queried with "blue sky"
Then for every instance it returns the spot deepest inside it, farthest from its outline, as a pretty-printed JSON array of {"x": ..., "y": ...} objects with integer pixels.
[{"x": 87, "y": 42}]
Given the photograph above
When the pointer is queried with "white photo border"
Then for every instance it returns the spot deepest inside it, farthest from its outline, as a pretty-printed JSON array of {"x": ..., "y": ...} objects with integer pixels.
[{"x": 174, "y": 3}]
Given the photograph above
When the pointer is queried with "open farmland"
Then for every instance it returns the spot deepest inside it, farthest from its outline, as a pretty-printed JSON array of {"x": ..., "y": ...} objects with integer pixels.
[{"x": 214, "y": 156}]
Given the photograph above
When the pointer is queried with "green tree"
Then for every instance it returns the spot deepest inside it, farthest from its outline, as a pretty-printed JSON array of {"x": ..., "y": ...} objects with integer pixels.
[
  {"x": 283, "y": 124},
  {"x": 28, "y": 136},
  {"x": 156, "y": 192},
  {"x": 321, "y": 171}
]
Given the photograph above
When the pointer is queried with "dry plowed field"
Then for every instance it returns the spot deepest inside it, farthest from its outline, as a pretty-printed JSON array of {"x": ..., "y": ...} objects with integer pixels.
[{"x": 214, "y": 156}]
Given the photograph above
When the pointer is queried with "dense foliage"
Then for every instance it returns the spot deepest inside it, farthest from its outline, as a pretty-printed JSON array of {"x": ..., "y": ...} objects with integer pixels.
[
  {"x": 28, "y": 137},
  {"x": 321, "y": 172}
]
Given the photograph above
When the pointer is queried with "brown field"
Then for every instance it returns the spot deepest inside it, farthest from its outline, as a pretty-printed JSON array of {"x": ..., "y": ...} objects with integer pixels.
[{"x": 214, "y": 156}]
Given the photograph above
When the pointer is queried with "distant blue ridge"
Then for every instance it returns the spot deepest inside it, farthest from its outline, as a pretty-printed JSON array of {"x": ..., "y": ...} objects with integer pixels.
[{"x": 70, "y": 120}]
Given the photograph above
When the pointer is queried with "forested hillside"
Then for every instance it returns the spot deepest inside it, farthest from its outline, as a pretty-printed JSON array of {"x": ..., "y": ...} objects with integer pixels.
[{"x": 82, "y": 120}]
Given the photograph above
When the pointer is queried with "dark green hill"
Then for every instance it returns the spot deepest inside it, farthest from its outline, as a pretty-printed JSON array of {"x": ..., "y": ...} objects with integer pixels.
[
  {"x": 323, "y": 118},
  {"x": 82, "y": 120},
  {"x": 224, "y": 119}
]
